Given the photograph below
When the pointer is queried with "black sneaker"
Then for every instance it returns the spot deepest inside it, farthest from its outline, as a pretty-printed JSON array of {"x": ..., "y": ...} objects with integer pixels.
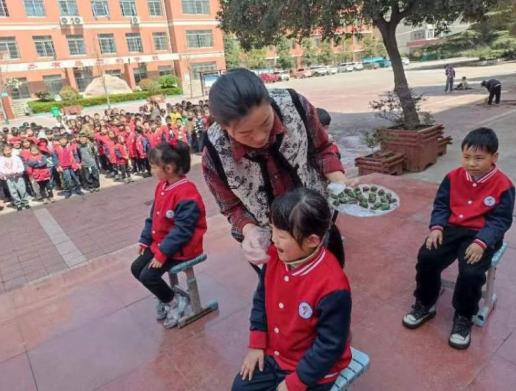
[
  {"x": 418, "y": 315},
  {"x": 460, "y": 336}
]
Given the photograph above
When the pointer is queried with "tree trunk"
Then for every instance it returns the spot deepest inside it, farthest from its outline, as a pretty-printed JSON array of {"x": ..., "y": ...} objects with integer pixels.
[{"x": 388, "y": 31}]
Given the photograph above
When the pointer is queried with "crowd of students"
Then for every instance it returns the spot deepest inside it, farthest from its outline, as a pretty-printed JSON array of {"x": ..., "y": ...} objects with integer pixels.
[{"x": 36, "y": 161}]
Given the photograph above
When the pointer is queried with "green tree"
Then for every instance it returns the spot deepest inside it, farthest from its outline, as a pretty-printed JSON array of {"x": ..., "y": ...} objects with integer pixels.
[
  {"x": 232, "y": 51},
  {"x": 372, "y": 47},
  {"x": 255, "y": 58},
  {"x": 309, "y": 52},
  {"x": 258, "y": 23},
  {"x": 285, "y": 59},
  {"x": 326, "y": 55}
]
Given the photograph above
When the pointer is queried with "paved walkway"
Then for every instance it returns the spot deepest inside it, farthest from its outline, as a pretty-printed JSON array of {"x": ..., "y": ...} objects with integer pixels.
[{"x": 92, "y": 328}]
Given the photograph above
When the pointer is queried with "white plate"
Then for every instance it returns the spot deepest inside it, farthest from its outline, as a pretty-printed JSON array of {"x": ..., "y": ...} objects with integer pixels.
[{"x": 357, "y": 210}]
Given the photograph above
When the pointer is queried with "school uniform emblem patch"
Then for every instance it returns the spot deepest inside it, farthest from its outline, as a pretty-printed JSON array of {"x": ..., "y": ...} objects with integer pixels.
[
  {"x": 305, "y": 311},
  {"x": 170, "y": 214},
  {"x": 489, "y": 201}
]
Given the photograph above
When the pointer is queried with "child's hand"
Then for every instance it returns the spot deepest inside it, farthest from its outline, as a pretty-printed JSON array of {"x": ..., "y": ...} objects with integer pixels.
[
  {"x": 474, "y": 253},
  {"x": 282, "y": 386},
  {"x": 434, "y": 240},
  {"x": 254, "y": 356},
  {"x": 154, "y": 264}
]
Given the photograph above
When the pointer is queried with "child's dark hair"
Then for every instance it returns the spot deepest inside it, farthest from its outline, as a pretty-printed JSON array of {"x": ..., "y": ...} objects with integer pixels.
[
  {"x": 178, "y": 155},
  {"x": 482, "y": 139},
  {"x": 303, "y": 212},
  {"x": 324, "y": 117}
]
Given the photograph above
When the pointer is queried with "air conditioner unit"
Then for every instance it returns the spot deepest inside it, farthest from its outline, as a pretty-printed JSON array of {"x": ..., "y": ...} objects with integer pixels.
[
  {"x": 65, "y": 20},
  {"x": 77, "y": 20},
  {"x": 134, "y": 20}
]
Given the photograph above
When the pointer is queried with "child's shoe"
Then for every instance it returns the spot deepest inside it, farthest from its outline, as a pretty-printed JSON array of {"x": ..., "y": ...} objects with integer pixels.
[
  {"x": 460, "y": 336},
  {"x": 163, "y": 308},
  {"x": 176, "y": 311},
  {"x": 418, "y": 315}
]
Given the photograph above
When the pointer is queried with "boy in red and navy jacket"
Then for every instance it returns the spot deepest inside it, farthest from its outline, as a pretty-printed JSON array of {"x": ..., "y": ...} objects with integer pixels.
[{"x": 472, "y": 212}]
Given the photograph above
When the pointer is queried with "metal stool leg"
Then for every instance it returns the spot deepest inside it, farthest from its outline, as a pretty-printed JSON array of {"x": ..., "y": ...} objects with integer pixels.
[{"x": 489, "y": 301}]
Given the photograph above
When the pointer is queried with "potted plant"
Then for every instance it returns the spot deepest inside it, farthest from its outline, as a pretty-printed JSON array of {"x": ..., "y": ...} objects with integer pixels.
[
  {"x": 383, "y": 162},
  {"x": 420, "y": 144}
]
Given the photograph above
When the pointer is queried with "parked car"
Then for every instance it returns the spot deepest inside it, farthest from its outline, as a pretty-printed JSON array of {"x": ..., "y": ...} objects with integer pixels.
[
  {"x": 358, "y": 66},
  {"x": 345, "y": 67},
  {"x": 283, "y": 75},
  {"x": 320, "y": 70},
  {"x": 301, "y": 73},
  {"x": 269, "y": 77},
  {"x": 333, "y": 70},
  {"x": 405, "y": 61}
]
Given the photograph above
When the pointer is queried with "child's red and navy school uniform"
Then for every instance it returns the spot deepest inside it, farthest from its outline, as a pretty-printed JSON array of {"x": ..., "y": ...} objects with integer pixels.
[
  {"x": 122, "y": 160},
  {"x": 37, "y": 168},
  {"x": 68, "y": 163},
  {"x": 173, "y": 233},
  {"x": 300, "y": 318},
  {"x": 468, "y": 210}
]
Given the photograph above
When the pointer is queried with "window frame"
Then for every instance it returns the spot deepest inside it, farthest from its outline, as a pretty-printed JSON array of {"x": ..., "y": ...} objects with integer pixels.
[
  {"x": 132, "y": 4},
  {"x": 68, "y": 3},
  {"x": 103, "y": 37},
  {"x": 4, "y": 11},
  {"x": 196, "y": 34},
  {"x": 195, "y": 5},
  {"x": 153, "y": 3},
  {"x": 37, "y": 5},
  {"x": 160, "y": 34},
  {"x": 45, "y": 42},
  {"x": 206, "y": 66},
  {"x": 129, "y": 37},
  {"x": 10, "y": 44},
  {"x": 76, "y": 38},
  {"x": 105, "y": 3}
]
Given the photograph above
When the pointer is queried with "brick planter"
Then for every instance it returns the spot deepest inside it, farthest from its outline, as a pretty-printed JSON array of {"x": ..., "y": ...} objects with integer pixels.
[
  {"x": 443, "y": 144},
  {"x": 388, "y": 162},
  {"x": 420, "y": 147}
]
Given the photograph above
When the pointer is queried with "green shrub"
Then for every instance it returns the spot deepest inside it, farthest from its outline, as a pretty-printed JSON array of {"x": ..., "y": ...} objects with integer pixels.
[
  {"x": 168, "y": 81},
  {"x": 69, "y": 94},
  {"x": 150, "y": 85},
  {"x": 44, "y": 107}
]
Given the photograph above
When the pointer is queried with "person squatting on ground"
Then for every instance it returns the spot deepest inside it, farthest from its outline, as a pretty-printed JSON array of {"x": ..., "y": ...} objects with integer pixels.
[
  {"x": 300, "y": 317},
  {"x": 472, "y": 211},
  {"x": 494, "y": 87},
  {"x": 11, "y": 170},
  {"x": 174, "y": 230}
]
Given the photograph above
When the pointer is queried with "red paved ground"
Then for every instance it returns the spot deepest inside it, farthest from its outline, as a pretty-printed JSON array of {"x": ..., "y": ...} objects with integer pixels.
[{"x": 92, "y": 328}]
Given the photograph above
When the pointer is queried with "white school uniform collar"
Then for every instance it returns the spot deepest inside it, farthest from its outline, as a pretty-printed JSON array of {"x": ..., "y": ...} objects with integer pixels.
[
  {"x": 310, "y": 265},
  {"x": 174, "y": 185},
  {"x": 483, "y": 178}
]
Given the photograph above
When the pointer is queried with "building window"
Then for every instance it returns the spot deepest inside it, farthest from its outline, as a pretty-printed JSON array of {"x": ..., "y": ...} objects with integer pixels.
[
  {"x": 107, "y": 43},
  {"x": 155, "y": 8},
  {"x": 196, "y": 6},
  {"x": 68, "y": 8},
  {"x": 203, "y": 67},
  {"x": 140, "y": 73},
  {"x": 22, "y": 91},
  {"x": 100, "y": 8},
  {"x": 76, "y": 44},
  {"x": 34, "y": 7},
  {"x": 44, "y": 46},
  {"x": 8, "y": 46},
  {"x": 114, "y": 72},
  {"x": 160, "y": 41},
  {"x": 128, "y": 7},
  {"x": 199, "y": 38},
  {"x": 3, "y": 9},
  {"x": 134, "y": 42},
  {"x": 54, "y": 84},
  {"x": 166, "y": 70}
]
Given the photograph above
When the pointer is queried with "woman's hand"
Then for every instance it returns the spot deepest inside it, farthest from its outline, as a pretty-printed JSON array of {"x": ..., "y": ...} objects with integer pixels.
[
  {"x": 341, "y": 178},
  {"x": 256, "y": 243},
  {"x": 254, "y": 357}
]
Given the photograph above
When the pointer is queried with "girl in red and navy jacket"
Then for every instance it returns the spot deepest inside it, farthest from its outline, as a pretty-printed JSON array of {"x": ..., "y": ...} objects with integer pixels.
[
  {"x": 67, "y": 164},
  {"x": 472, "y": 212},
  {"x": 38, "y": 170},
  {"x": 301, "y": 309},
  {"x": 122, "y": 159},
  {"x": 174, "y": 231}
]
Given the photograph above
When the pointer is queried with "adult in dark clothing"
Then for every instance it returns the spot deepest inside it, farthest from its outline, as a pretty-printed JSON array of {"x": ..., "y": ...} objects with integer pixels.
[{"x": 495, "y": 90}]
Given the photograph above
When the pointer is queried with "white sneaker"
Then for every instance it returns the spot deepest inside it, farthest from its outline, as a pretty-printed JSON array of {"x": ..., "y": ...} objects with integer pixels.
[
  {"x": 176, "y": 310},
  {"x": 163, "y": 308}
]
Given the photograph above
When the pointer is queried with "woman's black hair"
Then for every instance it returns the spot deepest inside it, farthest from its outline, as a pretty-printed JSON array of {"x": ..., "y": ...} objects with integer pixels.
[
  {"x": 324, "y": 117},
  {"x": 482, "y": 139},
  {"x": 235, "y": 93},
  {"x": 177, "y": 155}
]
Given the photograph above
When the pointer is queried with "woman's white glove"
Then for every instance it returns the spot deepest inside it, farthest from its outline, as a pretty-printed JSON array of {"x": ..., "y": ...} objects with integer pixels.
[{"x": 256, "y": 243}]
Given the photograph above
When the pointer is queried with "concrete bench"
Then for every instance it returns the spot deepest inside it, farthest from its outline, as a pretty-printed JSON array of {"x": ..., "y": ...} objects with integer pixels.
[
  {"x": 192, "y": 292},
  {"x": 488, "y": 296},
  {"x": 357, "y": 367}
]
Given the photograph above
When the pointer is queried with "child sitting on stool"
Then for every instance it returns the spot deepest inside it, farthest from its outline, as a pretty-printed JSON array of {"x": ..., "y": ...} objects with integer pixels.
[
  {"x": 300, "y": 317},
  {"x": 472, "y": 212},
  {"x": 174, "y": 231}
]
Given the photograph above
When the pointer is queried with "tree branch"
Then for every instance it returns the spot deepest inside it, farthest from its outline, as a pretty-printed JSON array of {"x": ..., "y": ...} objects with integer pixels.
[{"x": 407, "y": 10}]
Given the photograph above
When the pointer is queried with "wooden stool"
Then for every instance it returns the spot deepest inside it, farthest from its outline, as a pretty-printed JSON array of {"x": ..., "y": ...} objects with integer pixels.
[
  {"x": 489, "y": 295},
  {"x": 357, "y": 367},
  {"x": 192, "y": 291}
]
